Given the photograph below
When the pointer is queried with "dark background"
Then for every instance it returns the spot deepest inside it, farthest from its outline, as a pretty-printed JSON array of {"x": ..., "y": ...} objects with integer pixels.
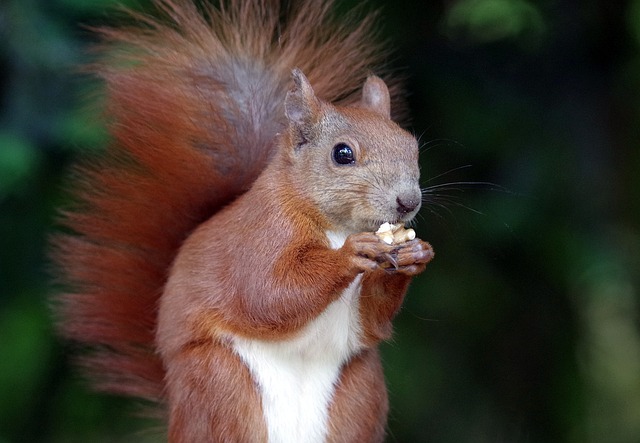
[{"x": 525, "y": 328}]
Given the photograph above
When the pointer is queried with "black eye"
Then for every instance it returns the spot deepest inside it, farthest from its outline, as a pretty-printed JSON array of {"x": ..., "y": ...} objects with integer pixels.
[{"x": 343, "y": 154}]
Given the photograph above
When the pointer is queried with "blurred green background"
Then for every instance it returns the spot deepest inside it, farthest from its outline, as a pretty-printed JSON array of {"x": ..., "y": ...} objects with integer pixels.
[{"x": 525, "y": 328}]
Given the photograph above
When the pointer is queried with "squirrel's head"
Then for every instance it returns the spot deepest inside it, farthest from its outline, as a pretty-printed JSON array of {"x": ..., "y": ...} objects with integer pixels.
[{"x": 357, "y": 165}]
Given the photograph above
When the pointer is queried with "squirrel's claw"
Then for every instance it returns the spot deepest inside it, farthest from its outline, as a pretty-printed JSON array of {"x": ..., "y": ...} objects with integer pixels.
[{"x": 411, "y": 258}]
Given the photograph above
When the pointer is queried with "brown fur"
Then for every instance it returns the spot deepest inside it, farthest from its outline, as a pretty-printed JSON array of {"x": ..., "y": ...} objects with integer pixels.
[
  {"x": 262, "y": 269},
  {"x": 359, "y": 409},
  {"x": 195, "y": 102},
  {"x": 166, "y": 169},
  {"x": 205, "y": 372}
]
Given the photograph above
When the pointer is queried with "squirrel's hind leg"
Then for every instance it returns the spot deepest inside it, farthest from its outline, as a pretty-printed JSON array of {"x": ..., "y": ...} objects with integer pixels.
[
  {"x": 358, "y": 412},
  {"x": 212, "y": 397}
]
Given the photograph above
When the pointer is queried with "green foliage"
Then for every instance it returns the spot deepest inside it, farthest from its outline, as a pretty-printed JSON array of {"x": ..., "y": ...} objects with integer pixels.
[
  {"x": 18, "y": 162},
  {"x": 485, "y": 21},
  {"x": 634, "y": 20},
  {"x": 525, "y": 326}
]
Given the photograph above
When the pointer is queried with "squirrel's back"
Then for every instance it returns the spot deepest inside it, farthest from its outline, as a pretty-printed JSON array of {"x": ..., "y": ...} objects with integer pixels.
[{"x": 193, "y": 103}]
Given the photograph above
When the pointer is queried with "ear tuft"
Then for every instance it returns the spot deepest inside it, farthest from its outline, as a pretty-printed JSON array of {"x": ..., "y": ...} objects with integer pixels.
[
  {"x": 375, "y": 96},
  {"x": 301, "y": 105}
]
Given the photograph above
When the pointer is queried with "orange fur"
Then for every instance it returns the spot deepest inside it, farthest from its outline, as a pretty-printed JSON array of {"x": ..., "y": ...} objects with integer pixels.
[
  {"x": 163, "y": 220},
  {"x": 208, "y": 373},
  {"x": 360, "y": 406},
  {"x": 176, "y": 133}
]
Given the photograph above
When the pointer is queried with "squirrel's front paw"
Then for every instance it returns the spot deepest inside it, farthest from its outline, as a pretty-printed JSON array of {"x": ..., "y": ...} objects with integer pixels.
[
  {"x": 412, "y": 257},
  {"x": 367, "y": 251}
]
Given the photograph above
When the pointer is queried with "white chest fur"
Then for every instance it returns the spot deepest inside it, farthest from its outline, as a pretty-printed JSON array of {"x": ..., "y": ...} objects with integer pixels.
[{"x": 297, "y": 377}]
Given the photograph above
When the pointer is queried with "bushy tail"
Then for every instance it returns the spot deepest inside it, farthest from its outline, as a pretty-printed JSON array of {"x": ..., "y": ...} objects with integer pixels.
[{"x": 193, "y": 102}]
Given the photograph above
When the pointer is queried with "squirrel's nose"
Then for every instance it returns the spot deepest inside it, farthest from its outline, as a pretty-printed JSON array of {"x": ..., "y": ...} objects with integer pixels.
[{"x": 406, "y": 205}]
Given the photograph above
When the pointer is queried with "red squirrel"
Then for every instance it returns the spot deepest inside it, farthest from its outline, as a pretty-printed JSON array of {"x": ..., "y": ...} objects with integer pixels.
[{"x": 220, "y": 257}]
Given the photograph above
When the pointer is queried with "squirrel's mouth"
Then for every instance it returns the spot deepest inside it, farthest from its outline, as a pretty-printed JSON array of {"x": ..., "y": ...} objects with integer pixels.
[
  {"x": 374, "y": 225},
  {"x": 404, "y": 219}
]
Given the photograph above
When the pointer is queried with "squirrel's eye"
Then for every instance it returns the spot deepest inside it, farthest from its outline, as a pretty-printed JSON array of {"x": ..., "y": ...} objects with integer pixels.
[{"x": 343, "y": 154}]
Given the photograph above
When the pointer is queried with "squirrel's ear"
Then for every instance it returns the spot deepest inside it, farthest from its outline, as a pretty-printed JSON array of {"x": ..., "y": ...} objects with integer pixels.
[
  {"x": 375, "y": 96},
  {"x": 301, "y": 105}
]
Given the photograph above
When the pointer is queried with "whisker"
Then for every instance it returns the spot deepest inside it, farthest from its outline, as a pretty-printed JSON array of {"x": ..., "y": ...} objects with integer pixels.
[
  {"x": 459, "y": 186},
  {"x": 468, "y": 208},
  {"x": 436, "y": 143},
  {"x": 434, "y": 212},
  {"x": 449, "y": 172}
]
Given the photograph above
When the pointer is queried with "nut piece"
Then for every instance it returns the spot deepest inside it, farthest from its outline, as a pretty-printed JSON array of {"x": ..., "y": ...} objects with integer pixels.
[
  {"x": 385, "y": 232},
  {"x": 403, "y": 235},
  {"x": 395, "y": 233}
]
